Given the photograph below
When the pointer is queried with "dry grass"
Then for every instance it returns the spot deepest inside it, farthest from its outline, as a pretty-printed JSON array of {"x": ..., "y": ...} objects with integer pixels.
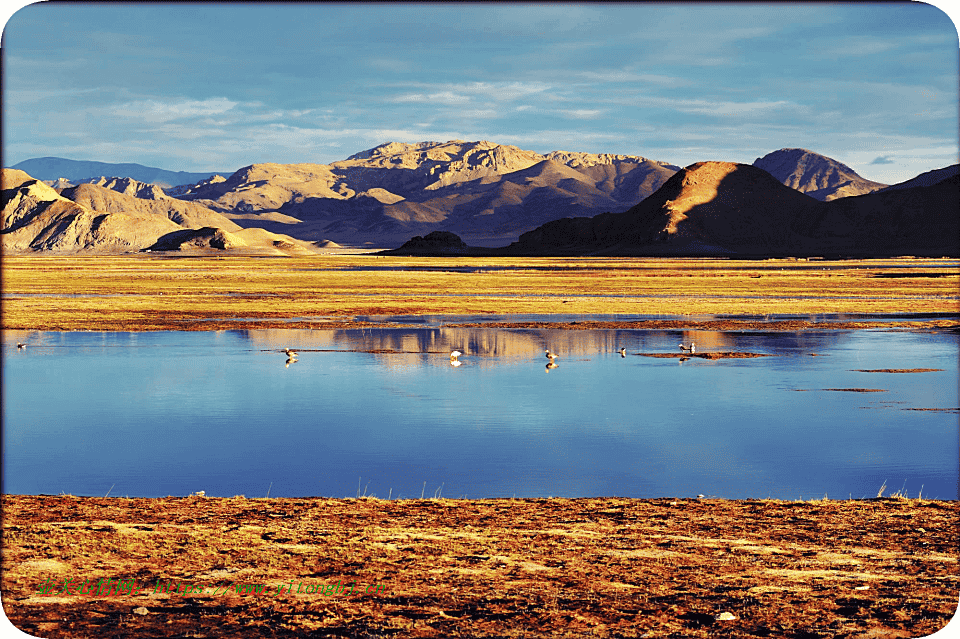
[
  {"x": 150, "y": 293},
  {"x": 485, "y": 568}
]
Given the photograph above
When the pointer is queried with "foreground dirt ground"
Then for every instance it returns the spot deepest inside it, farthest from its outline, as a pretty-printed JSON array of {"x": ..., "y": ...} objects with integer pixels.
[{"x": 212, "y": 567}]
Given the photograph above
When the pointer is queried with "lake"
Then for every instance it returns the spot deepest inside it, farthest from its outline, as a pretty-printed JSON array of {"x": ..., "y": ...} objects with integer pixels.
[{"x": 383, "y": 412}]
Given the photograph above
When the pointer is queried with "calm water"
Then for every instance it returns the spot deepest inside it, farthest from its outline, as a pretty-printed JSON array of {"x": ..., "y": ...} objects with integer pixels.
[{"x": 170, "y": 413}]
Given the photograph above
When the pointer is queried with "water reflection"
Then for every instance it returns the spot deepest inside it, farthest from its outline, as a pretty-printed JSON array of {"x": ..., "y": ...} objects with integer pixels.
[{"x": 177, "y": 412}]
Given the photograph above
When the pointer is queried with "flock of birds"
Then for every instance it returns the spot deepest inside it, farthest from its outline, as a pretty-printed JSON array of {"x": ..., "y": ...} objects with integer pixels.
[{"x": 455, "y": 355}]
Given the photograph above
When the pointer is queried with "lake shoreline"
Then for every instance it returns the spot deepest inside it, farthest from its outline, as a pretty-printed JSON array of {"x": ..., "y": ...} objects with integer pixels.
[{"x": 697, "y": 567}]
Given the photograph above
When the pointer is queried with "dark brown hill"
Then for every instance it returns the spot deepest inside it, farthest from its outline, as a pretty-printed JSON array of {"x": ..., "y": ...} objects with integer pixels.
[
  {"x": 926, "y": 179},
  {"x": 719, "y": 208},
  {"x": 919, "y": 221},
  {"x": 708, "y": 208},
  {"x": 816, "y": 175}
]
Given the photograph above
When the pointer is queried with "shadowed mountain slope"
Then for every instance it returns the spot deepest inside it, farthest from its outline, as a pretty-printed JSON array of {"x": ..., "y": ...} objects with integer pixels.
[
  {"x": 720, "y": 208},
  {"x": 926, "y": 179},
  {"x": 816, "y": 175}
]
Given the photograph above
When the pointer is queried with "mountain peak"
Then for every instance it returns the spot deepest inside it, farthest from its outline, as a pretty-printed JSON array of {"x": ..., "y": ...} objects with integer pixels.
[{"x": 816, "y": 175}]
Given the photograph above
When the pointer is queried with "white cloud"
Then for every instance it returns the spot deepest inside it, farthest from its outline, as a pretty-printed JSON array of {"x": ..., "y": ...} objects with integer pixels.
[
  {"x": 462, "y": 92},
  {"x": 160, "y": 111},
  {"x": 582, "y": 114},
  {"x": 440, "y": 97}
]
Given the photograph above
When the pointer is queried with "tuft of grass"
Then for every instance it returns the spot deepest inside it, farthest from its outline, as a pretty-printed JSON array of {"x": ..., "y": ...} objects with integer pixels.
[{"x": 882, "y": 488}]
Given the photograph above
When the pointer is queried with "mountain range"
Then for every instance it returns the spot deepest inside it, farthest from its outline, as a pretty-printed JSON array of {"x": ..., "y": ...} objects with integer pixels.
[
  {"x": 79, "y": 170},
  {"x": 488, "y": 195}
]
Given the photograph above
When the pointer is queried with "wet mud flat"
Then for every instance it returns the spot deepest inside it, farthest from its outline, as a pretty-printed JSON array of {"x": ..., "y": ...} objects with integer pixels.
[{"x": 611, "y": 567}]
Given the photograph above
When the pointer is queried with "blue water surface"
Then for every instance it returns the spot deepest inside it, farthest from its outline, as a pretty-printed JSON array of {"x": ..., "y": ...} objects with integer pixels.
[{"x": 384, "y": 412}]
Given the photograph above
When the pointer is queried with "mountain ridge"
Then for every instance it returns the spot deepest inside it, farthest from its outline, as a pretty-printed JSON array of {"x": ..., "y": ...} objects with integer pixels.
[
  {"x": 491, "y": 195},
  {"x": 51, "y": 168}
]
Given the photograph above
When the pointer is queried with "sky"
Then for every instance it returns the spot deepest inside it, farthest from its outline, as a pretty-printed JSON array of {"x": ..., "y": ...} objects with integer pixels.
[{"x": 215, "y": 87}]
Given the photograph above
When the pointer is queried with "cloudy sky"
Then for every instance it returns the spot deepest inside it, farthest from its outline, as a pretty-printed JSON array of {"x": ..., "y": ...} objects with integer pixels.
[{"x": 204, "y": 87}]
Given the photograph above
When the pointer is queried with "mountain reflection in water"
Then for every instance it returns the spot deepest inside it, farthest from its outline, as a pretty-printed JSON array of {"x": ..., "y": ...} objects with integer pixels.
[{"x": 164, "y": 413}]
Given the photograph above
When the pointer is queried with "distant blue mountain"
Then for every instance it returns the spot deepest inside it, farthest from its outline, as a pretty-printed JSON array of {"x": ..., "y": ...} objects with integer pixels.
[{"x": 74, "y": 170}]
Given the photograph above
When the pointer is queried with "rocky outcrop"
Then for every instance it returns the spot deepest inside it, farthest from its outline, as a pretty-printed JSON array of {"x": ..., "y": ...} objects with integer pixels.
[
  {"x": 131, "y": 187},
  {"x": 816, "y": 175},
  {"x": 435, "y": 243}
]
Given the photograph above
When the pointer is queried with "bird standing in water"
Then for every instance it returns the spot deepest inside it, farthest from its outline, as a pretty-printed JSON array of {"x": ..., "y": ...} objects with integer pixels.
[{"x": 692, "y": 348}]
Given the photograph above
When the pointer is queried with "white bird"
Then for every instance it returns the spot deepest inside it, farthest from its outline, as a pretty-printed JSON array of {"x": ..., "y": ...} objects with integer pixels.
[
  {"x": 20, "y": 346},
  {"x": 454, "y": 355},
  {"x": 551, "y": 356},
  {"x": 692, "y": 348},
  {"x": 290, "y": 354},
  {"x": 623, "y": 352}
]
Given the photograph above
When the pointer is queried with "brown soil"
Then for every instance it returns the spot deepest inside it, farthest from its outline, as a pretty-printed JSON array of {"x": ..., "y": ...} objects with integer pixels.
[
  {"x": 718, "y": 355},
  {"x": 605, "y": 567},
  {"x": 896, "y": 370},
  {"x": 857, "y": 390}
]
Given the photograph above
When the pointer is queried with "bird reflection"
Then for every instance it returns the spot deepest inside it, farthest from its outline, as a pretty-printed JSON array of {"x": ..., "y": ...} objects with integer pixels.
[
  {"x": 623, "y": 352},
  {"x": 291, "y": 360},
  {"x": 551, "y": 365}
]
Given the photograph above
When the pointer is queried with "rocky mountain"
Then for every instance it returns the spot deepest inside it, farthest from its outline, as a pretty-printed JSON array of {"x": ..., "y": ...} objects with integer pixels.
[
  {"x": 92, "y": 219},
  {"x": 51, "y": 168},
  {"x": 488, "y": 193},
  {"x": 131, "y": 187},
  {"x": 816, "y": 175},
  {"x": 720, "y": 208}
]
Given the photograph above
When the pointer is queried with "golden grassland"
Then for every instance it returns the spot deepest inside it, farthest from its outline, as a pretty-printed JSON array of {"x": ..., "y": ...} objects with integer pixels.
[
  {"x": 200, "y": 293},
  {"x": 604, "y": 567}
]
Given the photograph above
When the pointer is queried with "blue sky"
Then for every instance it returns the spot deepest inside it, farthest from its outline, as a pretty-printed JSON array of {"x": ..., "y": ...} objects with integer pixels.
[{"x": 196, "y": 87}]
